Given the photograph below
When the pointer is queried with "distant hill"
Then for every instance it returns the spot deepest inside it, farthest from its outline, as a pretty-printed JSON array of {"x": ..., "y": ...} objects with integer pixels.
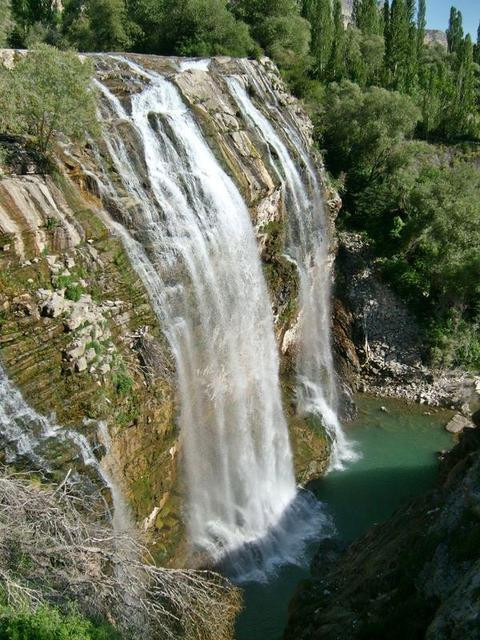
[
  {"x": 435, "y": 36},
  {"x": 432, "y": 36},
  {"x": 347, "y": 6}
]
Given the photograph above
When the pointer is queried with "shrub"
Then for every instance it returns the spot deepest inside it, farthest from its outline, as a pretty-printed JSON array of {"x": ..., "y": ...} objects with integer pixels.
[
  {"x": 47, "y": 93},
  {"x": 73, "y": 292},
  {"x": 122, "y": 382},
  {"x": 48, "y": 623}
]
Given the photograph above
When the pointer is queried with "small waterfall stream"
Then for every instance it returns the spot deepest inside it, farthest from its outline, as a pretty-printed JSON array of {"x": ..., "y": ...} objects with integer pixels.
[
  {"x": 191, "y": 240},
  {"x": 26, "y": 437},
  {"x": 308, "y": 248}
]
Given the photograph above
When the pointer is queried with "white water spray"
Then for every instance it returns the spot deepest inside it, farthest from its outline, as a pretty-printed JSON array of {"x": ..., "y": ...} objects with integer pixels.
[
  {"x": 190, "y": 238},
  {"x": 308, "y": 248},
  {"x": 25, "y": 435}
]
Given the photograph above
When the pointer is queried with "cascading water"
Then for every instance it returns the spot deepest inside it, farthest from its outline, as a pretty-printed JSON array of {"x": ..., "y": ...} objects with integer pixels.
[
  {"x": 308, "y": 248},
  {"x": 191, "y": 240},
  {"x": 27, "y": 437}
]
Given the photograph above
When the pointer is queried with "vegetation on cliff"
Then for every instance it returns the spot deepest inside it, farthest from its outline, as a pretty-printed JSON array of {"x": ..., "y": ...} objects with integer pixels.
[{"x": 47, "y": 92}]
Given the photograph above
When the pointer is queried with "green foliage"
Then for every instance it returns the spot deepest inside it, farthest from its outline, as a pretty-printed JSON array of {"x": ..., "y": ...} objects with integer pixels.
[
  {"x": 48, "y": 623},
  {"x": 122, "y": 382},
  {"x": 205, "y": 28},
  {"x": 98, "y": 25},
  {"x": 419, "y": 206},
  {"x": 455, "y": 30},
  {"x": 359, "y": 128},
  {"x": 47, "y": 93},
  {"x": 35, "y": 21},
  {"x": 73, "y": 292},
  {"x": 6, "y": 23},
  {"x": 319, "y": 14}
]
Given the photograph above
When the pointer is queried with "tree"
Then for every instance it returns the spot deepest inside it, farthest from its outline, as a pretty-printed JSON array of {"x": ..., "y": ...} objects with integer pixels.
[
  {"x": 399, "y": 45},
  {"x": 5, "y": 21},
  {"x": 27, "y": 12},
  {"x": 477, "y": 47},
  {"x": 460, "y": 120},
  {"x": 35, "y": 17},
  {"x": 48, "y": 93},
  {"x": 98, "y": 25},
  {"x": 203, "y": 28},
  {"x": 368, "y": 17},
  {"x": 71, "y": 554},
  {"x": 320, "y": 16},
  {"x": 455, "y": 30},
  {"x": 336, "y": 65},
  {"x": 410, "y": 8},
  {"x": 360, "y": 128},
  {"x": 421, "y": 25}
]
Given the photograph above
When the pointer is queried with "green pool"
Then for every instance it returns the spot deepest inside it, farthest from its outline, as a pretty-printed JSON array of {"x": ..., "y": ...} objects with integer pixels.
[{"x": 399, "y": 446}]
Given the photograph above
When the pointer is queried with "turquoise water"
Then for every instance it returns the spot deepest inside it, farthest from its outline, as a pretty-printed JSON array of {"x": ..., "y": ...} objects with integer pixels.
[{"x": 399, "y": 460}]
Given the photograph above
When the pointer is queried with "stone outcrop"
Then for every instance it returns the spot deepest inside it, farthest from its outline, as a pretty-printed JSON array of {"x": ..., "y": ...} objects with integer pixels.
[{"x": 415, "y": 576}]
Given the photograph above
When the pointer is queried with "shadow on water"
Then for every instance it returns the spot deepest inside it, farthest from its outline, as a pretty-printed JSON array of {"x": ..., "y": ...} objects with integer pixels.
[
  {"x": 302, "y": 524},
  {"x": 358, "y": 500}
]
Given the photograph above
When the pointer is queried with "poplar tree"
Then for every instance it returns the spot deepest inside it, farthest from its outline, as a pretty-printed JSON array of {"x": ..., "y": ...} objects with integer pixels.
[
  {"x": 421, "y": 24},
  {"x": 455, "y": 30},
  {"x": 320, "y": 17},
  {"x": 336, "y": 65},
  {"x": 410, "y": 7},
  {"x": 464, "y": 103},
  {"x": 412, "y": 58},
  {"x": 367, "y": 20},
  {"x": 399, "y": 45},
  {"x": 476, "y": 51}
]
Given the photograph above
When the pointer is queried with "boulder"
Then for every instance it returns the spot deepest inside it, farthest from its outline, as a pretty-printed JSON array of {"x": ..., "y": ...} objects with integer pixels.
[
  {"x": 54, "y": 306},
  {"x": 458, "y": 423}
]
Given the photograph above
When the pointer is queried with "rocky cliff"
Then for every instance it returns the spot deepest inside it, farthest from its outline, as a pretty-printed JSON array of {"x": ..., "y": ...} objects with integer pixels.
[
  {"x": 77, "y": 331},
  {"x": 417, "y": 576}
]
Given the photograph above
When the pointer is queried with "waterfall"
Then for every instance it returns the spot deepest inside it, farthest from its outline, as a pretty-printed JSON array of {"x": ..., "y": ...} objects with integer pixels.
[
  {"x": 190, "y": 238},
  {"x": 27, "y": 436},
  {"x": 308, "y": 248}
]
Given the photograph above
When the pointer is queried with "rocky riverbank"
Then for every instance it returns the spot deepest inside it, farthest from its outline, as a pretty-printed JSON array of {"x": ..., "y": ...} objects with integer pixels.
[
  {"x": 416, "y": 576},
  {"x": 379, "y": 344}
]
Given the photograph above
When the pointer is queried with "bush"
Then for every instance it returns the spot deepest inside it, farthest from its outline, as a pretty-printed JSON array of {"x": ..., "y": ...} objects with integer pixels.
[
  {"x": 48, "y": 623},
  {"x": 123, "y": 383},
  {"x": 48, "y": 93},
  {"x": 418, "y": 204},
  {"x": 73, "y": 292}
]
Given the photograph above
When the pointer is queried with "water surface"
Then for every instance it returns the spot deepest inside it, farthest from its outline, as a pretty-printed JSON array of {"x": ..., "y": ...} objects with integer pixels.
[{"x": 399, "y": 450}]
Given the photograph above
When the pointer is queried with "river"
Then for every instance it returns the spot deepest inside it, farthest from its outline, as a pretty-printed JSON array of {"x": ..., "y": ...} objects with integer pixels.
[{"x": 399, "y": 443}]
